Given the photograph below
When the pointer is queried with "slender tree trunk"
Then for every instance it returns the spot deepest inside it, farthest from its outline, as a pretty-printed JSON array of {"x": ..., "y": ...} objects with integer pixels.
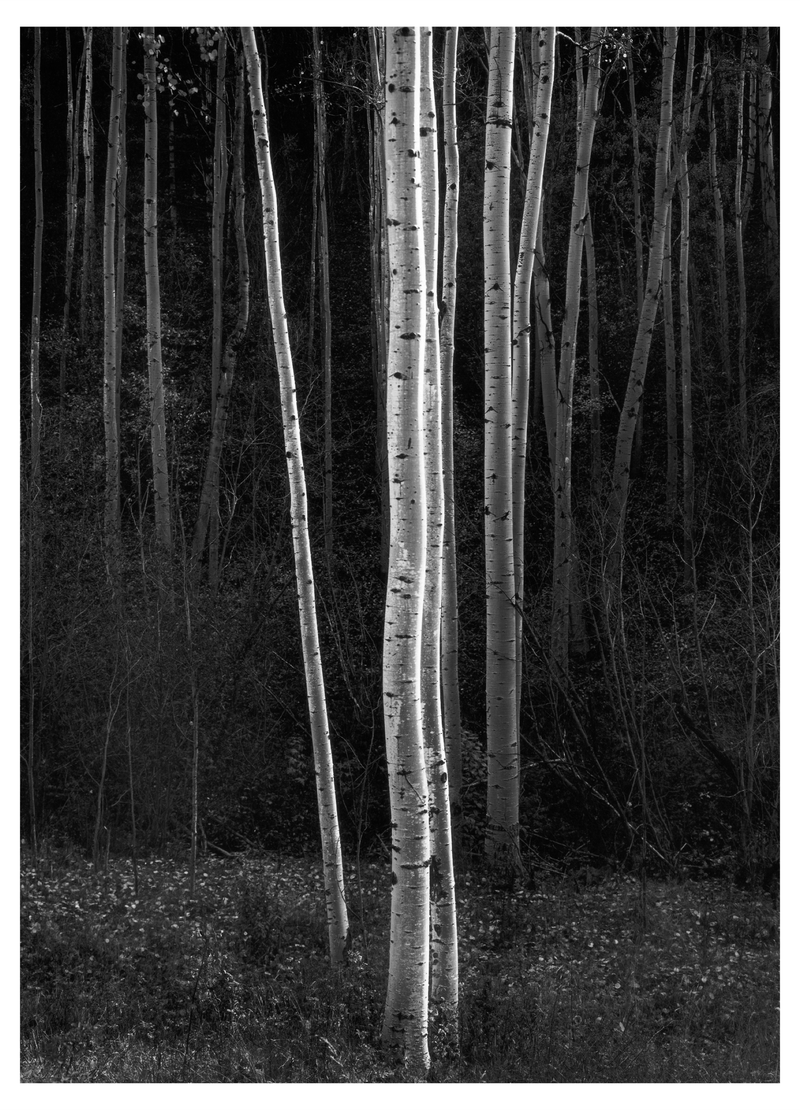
[
  {"x": 444, "y": 939},
  {"x": 618, "y": 501},
  {"x": 321, "y": 132},
  {"x": 686, "y": 341},
  {"x": 670, "y": 373},
  {"x": 451, "y": 701},
  {"x": 36, "y": 424},
  {"x": 110, "y": 317},
  {"x": 122, "y": 198},
  {"x": 87, "y": 269},
  {"x": 209, "y": 495},
  {"x": 158, "y": 428},
  {"x": 378, "y": 258},
  {"x": 719, "y": 223},
  {"x": 502, "y": 833},
  {"x": 767, "y": 167},
  {"x": 338, "y": 926},
  {"x": 220, "y": 184},
  {"x": 405, "y": 1023},
  {"x": 73, "y": 170},
  {"x": 543, "y": 42},
  {"x": 636, "y": 459},
  {"x": 741, "y": 199},
  {"x": 545, "y": 342},
  {"x": 562, "y": 545},
  {"x": 594, "y": 356}
]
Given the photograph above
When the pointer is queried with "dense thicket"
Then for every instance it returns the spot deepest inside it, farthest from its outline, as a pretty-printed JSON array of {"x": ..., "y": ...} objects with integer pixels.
[{"x": 659, "y": 744}]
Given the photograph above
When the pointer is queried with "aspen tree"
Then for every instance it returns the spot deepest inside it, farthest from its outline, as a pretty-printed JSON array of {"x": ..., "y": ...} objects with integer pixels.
[
  {"x": 637, "y": 227},
  {"x": 219, "y": 187},
  {"x": 234, "y": 341},
  {"x": 594, "y": 354},
  {"x": 338, "y": 926},
  {"x": 405, "y": 1023},
  {"x": 618, "y": 500},
  {"x": 444, "y": 940},
  {"x": 451, "y": 702},
  {"x": 110, "y": 318},
  {"x": 587, "y": 107},
  {"x": 502, "y": 741},
  {"x": 122, "y": 196},
  {"x": 87, "y": 269},
  {"x": 543, "y": 44}
]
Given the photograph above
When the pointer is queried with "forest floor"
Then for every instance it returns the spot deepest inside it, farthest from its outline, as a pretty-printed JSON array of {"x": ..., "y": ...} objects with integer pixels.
[{"x": 581, "y": 980}]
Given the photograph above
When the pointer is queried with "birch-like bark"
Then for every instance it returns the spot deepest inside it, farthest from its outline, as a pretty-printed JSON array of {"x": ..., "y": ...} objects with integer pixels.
[
  {"x": 670, "y": 373},
  {"x": 562, "y": 544},
  {"x": 338, "y": 927},
  {"x": 122, "y": 222},
  {"x": 451, "y": 700},
  {"x": 741, "y": 201},
  {"x": 545, "y": 343},
  {"x": 405, "y": 1022},
  {"x": 637, "y": 227},
  {"x": 618, "y": 500},
  {"x": 158, "y": 426},
  {"x": 766, "y": 160},
  {"x": 594, "y": 356},
  {"x": 541, "y": 82},
  {"x": 502, "y": 741},
  {"x": 444, "y": 938},
  {"x": 73, "y": 170}
]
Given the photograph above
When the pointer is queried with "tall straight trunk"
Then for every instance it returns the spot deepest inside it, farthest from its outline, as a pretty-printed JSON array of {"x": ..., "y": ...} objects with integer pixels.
[
  {"x": 378, "y": 270},
  {"x": 321, "y": 132},
  {"x": 594, "y": 356},
  {"x": 158, "y": 427},
  {"x": 110, "y": 391},
  {"x": 219, "y": 185},
  {"x": 719, "y": 224},
  {"x": 35, "y": 426},
  {"x": 209, "y": 494},
  {"x": 73, "y": 170},
  {"x": 545, "y": 343},
  {"x": 686, "y": 339},
  {"x": 444, "y": 939},
  {"x": 562, "y": 544},
  {"x": 767, "y": 169},
  {"x": 122, "y": 198},
  {"x": 338, "y": 926},
  {"x": 543, "y": 44},
  {"x": 618, "y": 500},
  {"x": 740, "y": 201},
  {"x": 451, "y": 701},
  {"x": 502, "y": 741},
  {"x": 87, "y": 268},
  {"x": 670, "y": 376},
  {"x": 405, "y": 1022}
]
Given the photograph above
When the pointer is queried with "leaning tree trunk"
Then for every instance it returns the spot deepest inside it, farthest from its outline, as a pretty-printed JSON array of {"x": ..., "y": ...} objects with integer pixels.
[
  {"x": 158, "y": 426},
  {"x": 338, "y": 926},
  {"x": 618, "y": 500},
  {"x": 405, "y": 1022}
]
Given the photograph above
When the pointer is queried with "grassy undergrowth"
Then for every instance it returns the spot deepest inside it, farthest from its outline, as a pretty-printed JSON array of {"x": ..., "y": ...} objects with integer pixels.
[{"x": 565, "y": 984}]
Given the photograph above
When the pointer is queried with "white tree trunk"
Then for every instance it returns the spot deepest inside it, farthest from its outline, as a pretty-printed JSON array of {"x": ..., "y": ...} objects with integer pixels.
[
  {"x": 405, "y": 1023},
  {"x": 502, "y": 741},
  {"x": 338, "y": 927}
]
